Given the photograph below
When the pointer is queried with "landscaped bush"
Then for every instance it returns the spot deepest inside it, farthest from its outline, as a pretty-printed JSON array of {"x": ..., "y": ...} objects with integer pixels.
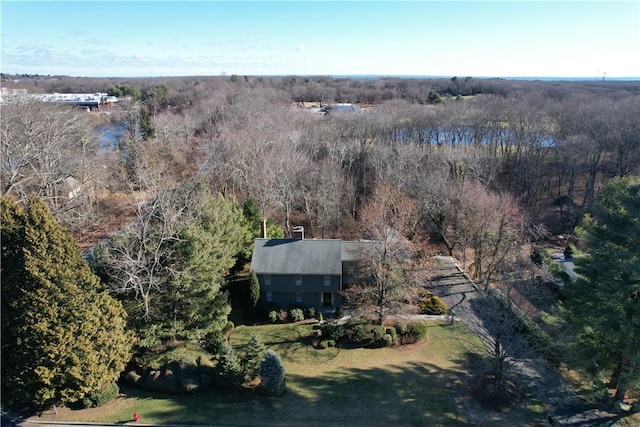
[
  {"x": 311, "y": 313},
  {"x": 377, "y": 332},
  {"x": 431, "y": 304},
  {"x": 387, "y": 340},
  {"x": 273, "y": 316},
  {"x": 391, "y": 331},
  {"x": 361, "y": 333},
  {"x": 98, "y": 398},
  {"x": 296, "y": 315},
  {"x": 418, "y": 330},
  {"x": 332, "y": 331},
  {"x": 326, "y": 344},
  {"x": 355, "y": 321},
  {"x": 401, "y": 328}
]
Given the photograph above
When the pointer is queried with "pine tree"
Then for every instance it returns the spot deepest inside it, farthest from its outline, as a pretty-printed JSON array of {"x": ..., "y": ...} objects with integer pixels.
[
  {"x": 170, "y": 266},
  {"x": 603, "y": 304},
  {"x": 272, "y": 375},
  {"x": 255, "y": 352},
  {"x": 63, "y": 336},
  {"x": 229, "y": 370}
]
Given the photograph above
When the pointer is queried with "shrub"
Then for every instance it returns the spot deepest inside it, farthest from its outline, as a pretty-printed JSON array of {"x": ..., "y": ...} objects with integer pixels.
[
  {"x": 391, "y": 331},
  {"x": 331, "y": 343},
  {"x": 387, "y": 340},
  {"x": 377, "y": 333},
  {"x": 417, "y": 330},
  {"x": 332, "y": 332},
  {"x": 296, "y": 315},
  {"x": 401, "y": 328},
  {"x": 320, "y": 317},
  {"x": 355, "y": 321},
  {"x": 273, "y": 316},
  {"x": 98, "y": 398},
  {"x": 361, "y": 333},
  {"x": 311, "y": 313},
  {"x": 431, "y": 304},
  {"x": 324, "y": 344},
  {"x": 272, "y": 375}
]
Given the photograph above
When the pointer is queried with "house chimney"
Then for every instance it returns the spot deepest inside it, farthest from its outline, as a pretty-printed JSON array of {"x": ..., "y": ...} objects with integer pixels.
[
  {"x": 263, "y": 228},
  {"x": 298, "y": 232}
]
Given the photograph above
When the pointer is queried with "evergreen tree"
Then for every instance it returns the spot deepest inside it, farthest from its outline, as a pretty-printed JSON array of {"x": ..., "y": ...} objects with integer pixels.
[
  {"x": 229, "y": 370},
  {"x": 63, "y": 336},
  {"x": 169, "y": 267},
  {"x": 603, "y": 304},
  {"x": 272, "y": 375},
  {"x": 255, "y": 352},
  {"x": 254, "y": 290}
]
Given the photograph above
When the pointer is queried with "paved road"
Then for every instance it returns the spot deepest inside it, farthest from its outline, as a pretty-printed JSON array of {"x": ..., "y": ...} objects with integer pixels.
[{"x": 564, "y": 406}]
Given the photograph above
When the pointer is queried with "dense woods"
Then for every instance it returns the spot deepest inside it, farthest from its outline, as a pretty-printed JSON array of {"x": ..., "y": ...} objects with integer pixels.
[{"x": 478, "y": 169}]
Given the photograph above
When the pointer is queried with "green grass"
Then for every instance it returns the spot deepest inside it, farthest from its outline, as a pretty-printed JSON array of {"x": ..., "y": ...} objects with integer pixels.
[{"x": 422, "y": 384}]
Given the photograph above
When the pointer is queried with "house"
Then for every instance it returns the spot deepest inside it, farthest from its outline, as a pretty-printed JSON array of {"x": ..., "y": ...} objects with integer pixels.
[{"x": 305, "y": 273}]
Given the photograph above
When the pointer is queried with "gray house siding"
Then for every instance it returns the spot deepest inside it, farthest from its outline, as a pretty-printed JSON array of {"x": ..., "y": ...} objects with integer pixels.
[
  {"x": 278, "y": 262},
  {"x": 287, "y": 290}
]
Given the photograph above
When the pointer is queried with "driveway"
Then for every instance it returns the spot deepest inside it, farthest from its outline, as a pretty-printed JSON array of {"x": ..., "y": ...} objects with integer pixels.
[{"x": 564, "y": 406}]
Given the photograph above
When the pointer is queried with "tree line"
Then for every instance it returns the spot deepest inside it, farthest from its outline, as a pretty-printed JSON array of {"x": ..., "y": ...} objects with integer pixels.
[{"x": 477, "y": 174}]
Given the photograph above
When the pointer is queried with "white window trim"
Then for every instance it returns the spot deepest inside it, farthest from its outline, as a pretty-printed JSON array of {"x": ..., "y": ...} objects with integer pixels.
[
  {"x": 298, "y": 296},
  {"x": 298, "y": 279},
  {"x": 269, "y": 296},
  {"x": 327, "y": 280},
  {"x": 267, "y": 280}
]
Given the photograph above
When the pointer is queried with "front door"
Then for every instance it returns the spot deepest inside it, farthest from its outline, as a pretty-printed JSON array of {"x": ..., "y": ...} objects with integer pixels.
[{"x": 327, "y": 299}]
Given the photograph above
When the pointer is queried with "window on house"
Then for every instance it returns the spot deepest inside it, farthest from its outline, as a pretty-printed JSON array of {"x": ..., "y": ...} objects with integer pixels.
[
  {"x": 327, "y": 280},
  {"x": 351, "y": 266},
  {"x": 298, "y": 296},
  {"x": 269, "y": 296},
  {"x": 298, "y": 280},
  {"x": 267, "y": 280}
]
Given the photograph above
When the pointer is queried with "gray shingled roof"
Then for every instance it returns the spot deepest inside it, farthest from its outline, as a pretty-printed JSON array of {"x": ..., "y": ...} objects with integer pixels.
[
  {"x": 288, "y": 256},
  {"x": 352, "y": 250}
]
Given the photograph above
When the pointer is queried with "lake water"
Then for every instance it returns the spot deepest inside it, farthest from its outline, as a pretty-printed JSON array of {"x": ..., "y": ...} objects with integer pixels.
[{"x": 109, "y": 134}]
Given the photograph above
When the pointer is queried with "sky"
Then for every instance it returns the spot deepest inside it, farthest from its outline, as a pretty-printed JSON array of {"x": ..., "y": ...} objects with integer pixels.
[{"x": 391, "y": 38}]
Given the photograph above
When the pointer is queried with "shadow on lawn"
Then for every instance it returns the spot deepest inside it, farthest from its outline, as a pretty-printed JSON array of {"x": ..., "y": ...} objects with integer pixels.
[{"x": 419, "y": 394}]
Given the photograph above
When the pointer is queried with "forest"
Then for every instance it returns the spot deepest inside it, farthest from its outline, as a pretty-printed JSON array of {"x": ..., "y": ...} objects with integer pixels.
[{"x": 485, "y": 169}]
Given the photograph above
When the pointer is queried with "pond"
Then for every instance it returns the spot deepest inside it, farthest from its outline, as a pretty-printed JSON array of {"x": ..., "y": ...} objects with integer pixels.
[{"x": 109, "y": 134}]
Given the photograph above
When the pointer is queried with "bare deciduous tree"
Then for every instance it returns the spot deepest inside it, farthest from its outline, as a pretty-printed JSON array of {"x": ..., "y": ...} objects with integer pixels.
[
  {"x": 52, "y": 151},
  {"x": 389, "y": 272}
]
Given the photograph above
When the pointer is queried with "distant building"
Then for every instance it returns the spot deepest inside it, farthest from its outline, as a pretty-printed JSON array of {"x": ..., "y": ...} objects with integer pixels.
[{"x": 91, "y": 101}]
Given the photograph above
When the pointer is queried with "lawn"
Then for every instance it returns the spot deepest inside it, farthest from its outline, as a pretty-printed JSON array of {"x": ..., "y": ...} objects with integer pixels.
[{"x": 422, "y": 384}]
